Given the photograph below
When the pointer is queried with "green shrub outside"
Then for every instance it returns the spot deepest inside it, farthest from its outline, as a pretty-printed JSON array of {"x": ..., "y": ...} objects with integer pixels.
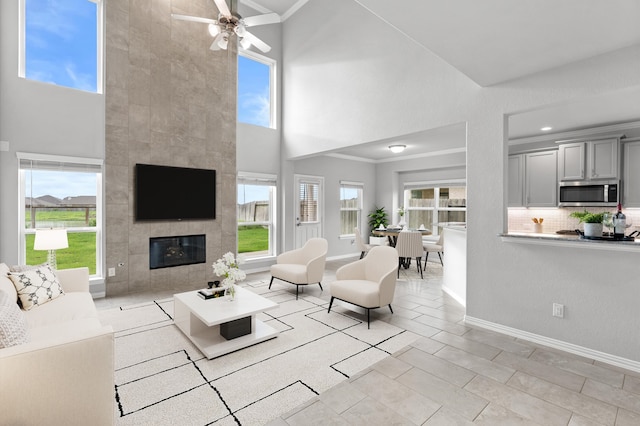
[
  {"x": 253, "y": 238},
  {"x": 81, "y": 252}
]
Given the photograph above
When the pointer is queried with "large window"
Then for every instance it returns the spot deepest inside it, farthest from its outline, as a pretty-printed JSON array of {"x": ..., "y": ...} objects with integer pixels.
[
  {"x": 256, "y": 90},
  {"x": 61, "y": 43},
  {"x": 350, "y": 208},
  {"x": 62, "y": 192},
  {"x": 435, "y": 206},
  {"x": 256, "y": 215}
]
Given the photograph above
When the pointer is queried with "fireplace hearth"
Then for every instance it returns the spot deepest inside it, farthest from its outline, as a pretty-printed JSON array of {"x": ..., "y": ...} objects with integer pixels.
[{"x": 166, "y": 252}]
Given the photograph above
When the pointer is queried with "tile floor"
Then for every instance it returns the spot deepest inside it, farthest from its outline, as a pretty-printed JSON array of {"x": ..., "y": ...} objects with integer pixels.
[{"x": 458, "y": 375}]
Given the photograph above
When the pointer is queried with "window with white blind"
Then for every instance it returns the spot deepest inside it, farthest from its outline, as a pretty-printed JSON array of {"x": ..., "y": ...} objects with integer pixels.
[
  {"x": 434, "y": 205},
  {"x": 62, "y": 192},
  {"x": 308, "y": 194},
  {"x": 256, "y": 215},
  {"x": 350, "y": 208}
]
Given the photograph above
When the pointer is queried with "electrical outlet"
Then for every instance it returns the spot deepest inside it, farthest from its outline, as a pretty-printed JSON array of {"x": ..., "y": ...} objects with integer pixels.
[
  {"x": 112, "y": 272},
  {"x": 558, "y": 310}
]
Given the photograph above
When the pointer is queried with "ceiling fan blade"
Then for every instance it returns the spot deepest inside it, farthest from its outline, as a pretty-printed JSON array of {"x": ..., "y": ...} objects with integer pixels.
[
  {"x": 222, "y": 7},
  {"x": 193, "y": 19},
  {"x": 268, "y": 18},
  {"x": 257, "y": 42}
]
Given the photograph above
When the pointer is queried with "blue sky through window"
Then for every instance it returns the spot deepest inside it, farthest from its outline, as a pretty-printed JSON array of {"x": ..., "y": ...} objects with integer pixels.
[
  {"x": 254, "y": 92},
  {"x": 60, "y": 184},
  {"x": 61, "y": 43}
]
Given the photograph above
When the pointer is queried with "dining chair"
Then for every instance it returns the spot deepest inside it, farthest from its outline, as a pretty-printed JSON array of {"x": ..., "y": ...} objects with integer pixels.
[
  {"x": 364, "y": 248},
  {"x": 437, "y": 247},
  {"x": 409, "y": 246}
]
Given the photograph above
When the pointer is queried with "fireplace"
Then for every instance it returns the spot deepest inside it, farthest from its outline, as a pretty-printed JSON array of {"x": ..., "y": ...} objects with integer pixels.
[{"x": 165, "y": 252}]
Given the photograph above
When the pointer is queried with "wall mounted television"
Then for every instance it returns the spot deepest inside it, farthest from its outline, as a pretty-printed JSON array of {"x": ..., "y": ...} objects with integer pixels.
[{"x": 174, "y": 193}]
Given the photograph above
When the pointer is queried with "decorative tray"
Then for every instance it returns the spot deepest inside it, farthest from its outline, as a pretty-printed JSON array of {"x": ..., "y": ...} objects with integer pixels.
[
  {"x": 211, "y": 293},
  {"x": 607, "y": 238}
]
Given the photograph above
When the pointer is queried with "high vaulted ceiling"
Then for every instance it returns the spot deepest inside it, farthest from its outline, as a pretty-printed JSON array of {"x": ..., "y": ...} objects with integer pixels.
[{"x": 494, "y": 41}]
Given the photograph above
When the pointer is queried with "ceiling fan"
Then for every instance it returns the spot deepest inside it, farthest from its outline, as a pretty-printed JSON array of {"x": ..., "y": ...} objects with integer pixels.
[{"x": 230, "y": 23}]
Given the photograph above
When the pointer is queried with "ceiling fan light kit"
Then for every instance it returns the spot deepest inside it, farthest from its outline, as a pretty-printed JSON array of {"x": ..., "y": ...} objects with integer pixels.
[{"x": 229, "y": 24}]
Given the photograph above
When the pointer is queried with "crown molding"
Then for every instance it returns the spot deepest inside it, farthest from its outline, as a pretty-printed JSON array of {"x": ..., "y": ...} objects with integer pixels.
[
  {"x": 575, "y": 134},
  {"x": 402, "y": 158},
  {"x": 293, "y": 9}
]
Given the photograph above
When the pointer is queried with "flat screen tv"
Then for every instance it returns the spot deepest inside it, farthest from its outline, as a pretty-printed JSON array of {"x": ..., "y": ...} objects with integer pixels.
[{"x": 174, "y": 193}]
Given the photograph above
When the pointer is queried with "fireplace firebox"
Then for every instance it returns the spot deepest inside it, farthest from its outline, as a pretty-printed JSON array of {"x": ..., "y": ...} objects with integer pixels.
[{"x": 166, "y": 252}]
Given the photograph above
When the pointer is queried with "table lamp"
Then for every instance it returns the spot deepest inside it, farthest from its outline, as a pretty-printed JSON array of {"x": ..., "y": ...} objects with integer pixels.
[{"x": 51, "y": 240}]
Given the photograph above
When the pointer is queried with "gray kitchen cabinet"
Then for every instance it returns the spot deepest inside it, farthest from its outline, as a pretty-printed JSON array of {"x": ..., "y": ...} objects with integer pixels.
[
  {"x": 571, "y": 161},
  {"x": 603, "y": 159},
  {"x": 631, "y": 178},
  {"x": 590, "y": 160},
  {"x": 541, "y": 179},
  {"x": 532, "y": 179},
  {"x": 515, "y": 181}
]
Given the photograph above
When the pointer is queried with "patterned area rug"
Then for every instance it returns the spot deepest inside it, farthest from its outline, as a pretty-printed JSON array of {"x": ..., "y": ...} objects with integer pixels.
[{"x": 163, "y": 379}]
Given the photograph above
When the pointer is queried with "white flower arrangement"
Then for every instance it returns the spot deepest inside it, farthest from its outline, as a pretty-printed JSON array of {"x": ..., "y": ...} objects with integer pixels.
[
  {"x": 228, "y": 268},
  {"x": 401, "y": 211}
]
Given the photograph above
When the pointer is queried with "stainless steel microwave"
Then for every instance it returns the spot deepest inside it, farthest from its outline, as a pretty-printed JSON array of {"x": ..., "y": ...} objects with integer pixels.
[{"x": 588, "y": 193}]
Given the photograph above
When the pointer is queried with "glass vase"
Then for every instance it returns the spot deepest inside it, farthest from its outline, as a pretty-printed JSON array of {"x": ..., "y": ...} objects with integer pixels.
[{"x": 231, "y": 292}]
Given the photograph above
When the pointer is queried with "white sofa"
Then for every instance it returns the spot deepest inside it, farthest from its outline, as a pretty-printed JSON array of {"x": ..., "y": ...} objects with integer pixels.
[{"x": 65, "y": 373}]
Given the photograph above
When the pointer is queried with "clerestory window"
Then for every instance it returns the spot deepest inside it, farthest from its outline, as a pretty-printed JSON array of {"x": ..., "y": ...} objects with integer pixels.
[{"x": 61, "y": 43}]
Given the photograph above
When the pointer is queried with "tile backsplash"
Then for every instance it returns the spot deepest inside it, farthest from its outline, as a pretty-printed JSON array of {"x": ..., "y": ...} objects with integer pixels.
[{"x": 520, "y": 219}]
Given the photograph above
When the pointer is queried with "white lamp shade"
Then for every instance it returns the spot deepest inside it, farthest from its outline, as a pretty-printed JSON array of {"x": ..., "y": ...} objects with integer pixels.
[
  {"x": 214, "y": 30},
  {"x": 223, "y": 42},
  {"x": 50, "y": 239}
]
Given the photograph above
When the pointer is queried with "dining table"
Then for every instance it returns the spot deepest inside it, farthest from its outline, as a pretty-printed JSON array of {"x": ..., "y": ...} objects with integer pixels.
[{"x": 392, "y": 233}]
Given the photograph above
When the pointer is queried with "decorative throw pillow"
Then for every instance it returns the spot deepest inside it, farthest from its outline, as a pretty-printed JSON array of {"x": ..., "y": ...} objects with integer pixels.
[
  {"x": 13, "y": 324},
  {"x": 37, "y": 286},
  {"x": 22, "y": 268}
]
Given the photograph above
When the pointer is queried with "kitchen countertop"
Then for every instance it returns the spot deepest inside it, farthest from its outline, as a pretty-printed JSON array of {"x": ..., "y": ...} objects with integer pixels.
[{"x": 568, "y": 240}]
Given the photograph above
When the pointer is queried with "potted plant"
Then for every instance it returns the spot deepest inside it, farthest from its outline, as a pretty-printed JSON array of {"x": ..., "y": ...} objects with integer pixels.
[
  {"x": 401, "y": 213},
  {"x": 592, "y": 222},
  {"x": 377, "y": 218}
]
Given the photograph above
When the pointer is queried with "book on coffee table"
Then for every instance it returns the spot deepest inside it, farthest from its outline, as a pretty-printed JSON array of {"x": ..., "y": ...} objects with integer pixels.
[{"x": 210, "y": 293}]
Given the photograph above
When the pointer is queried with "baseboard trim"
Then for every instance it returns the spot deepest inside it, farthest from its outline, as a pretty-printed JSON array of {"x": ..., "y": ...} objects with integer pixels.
[
  {"x": 455, "y": 296},
  {"x": 554, "y": 343}
]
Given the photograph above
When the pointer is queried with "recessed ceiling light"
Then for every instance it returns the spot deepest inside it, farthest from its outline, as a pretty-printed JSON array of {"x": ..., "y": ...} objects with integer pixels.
[
  {"x": 397, "y": 148},
  {"x": 546, "y": 128}
]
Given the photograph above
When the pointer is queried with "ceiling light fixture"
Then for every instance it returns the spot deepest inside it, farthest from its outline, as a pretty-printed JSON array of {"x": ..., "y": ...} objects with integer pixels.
[
  {"x": 546, "y": 128},
  {"x": 397, "y": 148},
  {"x": 223, "y": 42}
]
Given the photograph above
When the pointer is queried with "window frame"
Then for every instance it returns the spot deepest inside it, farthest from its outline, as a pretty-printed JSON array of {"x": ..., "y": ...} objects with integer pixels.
[
  {"x": 245, "y": 178},
  {"x": 351, "y": 185},
  {"x": 22, "y": 47},
  {"x": 272, "y": 64},
  {"x": 436, "y": 185},
  {"x": 98, "y": 229}
]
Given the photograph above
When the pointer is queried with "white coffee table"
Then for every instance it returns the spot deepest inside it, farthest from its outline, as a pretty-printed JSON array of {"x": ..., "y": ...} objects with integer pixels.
[{"x": 201, "y": 320}]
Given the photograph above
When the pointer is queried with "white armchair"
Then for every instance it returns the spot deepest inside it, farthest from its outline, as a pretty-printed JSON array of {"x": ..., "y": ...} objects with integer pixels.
[
  {"x": 302, "y": 266},
  {"x": 369, "y": 282},
  {"x": 362, "y": 246}
]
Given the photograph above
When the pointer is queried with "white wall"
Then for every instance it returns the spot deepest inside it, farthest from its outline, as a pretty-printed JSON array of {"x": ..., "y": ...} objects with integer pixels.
[
  {"x": 335, "y": 170},
  {"x": 341, "y": 88},
  {"x": 37, "y": 117}
]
